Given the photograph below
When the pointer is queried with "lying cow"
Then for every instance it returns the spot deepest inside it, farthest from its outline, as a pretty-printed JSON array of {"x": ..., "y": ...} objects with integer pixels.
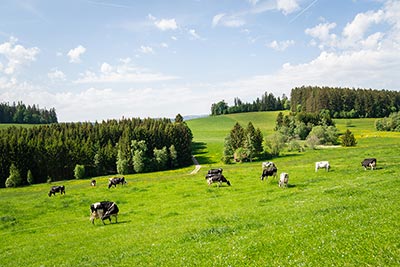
[
  {"x": 93, "y": 183},
  {"x": 369, "y": 163},
  {"x": 217, "y": 178},
  {"x": 116, "y": 180},
  {"x": 104, "y": 210},
  {"x": 283, "y": 179},
  {"x": 267, "y": 165},
  {"x": 269, "y": 172},
  {"x": 322, "y": 165},
  {"x": 57, "y": 189}
]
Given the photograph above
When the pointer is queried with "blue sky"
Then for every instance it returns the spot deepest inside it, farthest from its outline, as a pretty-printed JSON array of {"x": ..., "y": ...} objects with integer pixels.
[{"x": 101, "y": 59}]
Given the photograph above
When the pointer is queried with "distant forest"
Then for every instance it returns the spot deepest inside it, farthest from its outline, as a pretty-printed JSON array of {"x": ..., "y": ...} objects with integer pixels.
[
  {"x": 268, "y": 102},
  {"x": 345, "y": 102},
  {"x": 51, "y": 152},
  {"x": 20, "y": 113}
]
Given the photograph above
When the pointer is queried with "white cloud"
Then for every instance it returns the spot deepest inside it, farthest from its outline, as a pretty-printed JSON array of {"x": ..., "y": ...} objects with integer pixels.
[
  {"x": 146, "y": 49},
  {"x": 166, "y": 24},
  {"x": 355, "y": 30},
  {"x": 232, "y": 21},
  {"x": 287, "y": 6},
  {"x": 124, "y": 72},
  {"x": 56, "y": 74},
  {"x": 75, "y": 54},
  {"x": 193, "y": 34},
  {"x": 322, "y": 33},
  {"x": 281, "y": 45},
  {"x": 253, "y": 2},
  {"x": 16, "y": 56}
]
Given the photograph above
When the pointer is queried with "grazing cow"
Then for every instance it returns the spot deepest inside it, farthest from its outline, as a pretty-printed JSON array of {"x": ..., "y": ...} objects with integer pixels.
[
  {"x": 269, "y": 172},
  {"x": 93, "y": 183},
  {"x": 104, "y": 210},
  {"x": 215, "y": 171},
  {"x": 267, "y": 165},
  {"x": 369, "y": 163},
  {"x": 217, "y": 178},
  {"x": 283, "y": 179},
  {"x": 57, "y": 189},
  {"x": 116, "y": 180},
  {"x": 322, "y": 165}
]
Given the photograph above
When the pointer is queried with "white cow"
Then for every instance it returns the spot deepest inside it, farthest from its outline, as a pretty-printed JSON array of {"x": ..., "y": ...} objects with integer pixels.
[
  {"x": 284, "y": 179},
  {"x": 268, "y": 164},
  {"x": 322, "y": 165}
]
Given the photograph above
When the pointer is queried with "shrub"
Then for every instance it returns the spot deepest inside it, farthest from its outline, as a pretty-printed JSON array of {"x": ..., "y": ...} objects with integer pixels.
[
  {"x": 15, "y": 178},
  {"x": 79, "y": 171},
  {"x": 348, "y": 139},
  {"x": 30, "y": 178}
]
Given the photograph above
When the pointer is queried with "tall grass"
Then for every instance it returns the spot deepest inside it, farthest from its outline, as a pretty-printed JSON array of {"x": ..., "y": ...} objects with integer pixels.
[{"x": 345, "y": 217}]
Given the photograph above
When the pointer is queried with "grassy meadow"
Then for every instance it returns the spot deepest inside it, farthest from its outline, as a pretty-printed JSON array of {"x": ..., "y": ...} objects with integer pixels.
[{"x": 344, "y": 217}]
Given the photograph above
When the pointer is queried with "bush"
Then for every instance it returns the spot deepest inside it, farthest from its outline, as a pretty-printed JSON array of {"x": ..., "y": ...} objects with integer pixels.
[
  {"x": 30, "y": 178},
  {"x": 15, "y": 178},
  {"x": 348, "y": 139},
  {"x": 79, "y": 171}
]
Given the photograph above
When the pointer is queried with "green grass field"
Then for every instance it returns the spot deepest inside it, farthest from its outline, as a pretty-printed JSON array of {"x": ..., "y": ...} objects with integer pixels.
[{"x": 345, "y": 217}]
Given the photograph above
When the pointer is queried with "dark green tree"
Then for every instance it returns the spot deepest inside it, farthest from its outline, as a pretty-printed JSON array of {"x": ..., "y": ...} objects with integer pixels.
[{"x": 348, "y": 139}]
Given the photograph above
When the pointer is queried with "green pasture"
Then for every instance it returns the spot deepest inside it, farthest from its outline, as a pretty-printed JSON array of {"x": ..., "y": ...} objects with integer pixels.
[{"x": 345, "y": 217}]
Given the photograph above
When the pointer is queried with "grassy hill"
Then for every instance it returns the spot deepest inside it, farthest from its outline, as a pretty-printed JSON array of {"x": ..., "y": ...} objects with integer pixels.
[{"x": 345, "y": 217}]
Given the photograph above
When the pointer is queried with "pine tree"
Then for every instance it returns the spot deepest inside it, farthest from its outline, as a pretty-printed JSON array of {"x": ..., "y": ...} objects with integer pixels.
[
  {"x": 15, "y": 178},
  {"x": 348, "y": 139}
]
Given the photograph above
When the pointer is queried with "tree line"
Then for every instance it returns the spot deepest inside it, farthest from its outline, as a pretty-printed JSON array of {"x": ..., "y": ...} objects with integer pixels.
[
  {"x": 52, "y": 152},
  {"x": 20, "y": 113},
  {"x": 345, "y": 102},
  {"x": 267, "y": 102}
]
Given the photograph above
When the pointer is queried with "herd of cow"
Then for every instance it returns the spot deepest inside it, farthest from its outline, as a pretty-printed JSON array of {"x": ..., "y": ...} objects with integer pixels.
[
  {"x": 106, "y": 209},
  {"x": 101, "y": 210}
]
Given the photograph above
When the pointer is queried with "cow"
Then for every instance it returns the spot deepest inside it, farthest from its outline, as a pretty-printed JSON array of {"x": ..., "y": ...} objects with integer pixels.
[
  {"x": 267, "y": 165},
  {"x": 116, "y": 180},
  {"x": 283, "y": 179},
  {"x": 215, "y": 171},
  {"x": 57, "y": 189},
  {"x": 322, "y": 165},
  {"x": 369, "y": 163},
  {"x": 104, "y": 210},
  {"x": 217, "y": 178},
  {"x": 93, "y": 183},
  {"x": 269, "y": 172}
]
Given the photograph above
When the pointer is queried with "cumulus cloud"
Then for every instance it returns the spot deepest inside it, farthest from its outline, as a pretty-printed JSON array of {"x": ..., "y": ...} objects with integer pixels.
[
  {"x": 163, "y": 24},
  {"x": 75, "y": 54},
  {"x": 287, "y": 6},
  {"x": 56, "y": 75},
  {"x": 123, "y": 72},
  {"x": 146, "y": 49},
  {"x": 16, "y": 56},
  {"x": 281, "y": 45}
]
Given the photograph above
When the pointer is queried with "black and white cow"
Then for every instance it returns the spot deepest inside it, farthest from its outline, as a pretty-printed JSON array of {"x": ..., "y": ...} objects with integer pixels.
[
  {"x": 283, "y": 179},
  {"x": 267, "y": 165},
  {"x": 93, "y": 183},
  {"x": 215, "y": 171},
  {"x": 116, "y": 180},
  {"x": 369, "y": 163},
  {"x": 104, "y": 210},
  {"x": 57, "y": 189},
  {"x": 217, "y": 178},
  {"x": 322, "y": 165},
  {"x": 269, "y": 172}
]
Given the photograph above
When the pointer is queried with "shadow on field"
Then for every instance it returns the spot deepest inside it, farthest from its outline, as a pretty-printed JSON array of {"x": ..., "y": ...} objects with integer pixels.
[{"x": 199, "y": 149}]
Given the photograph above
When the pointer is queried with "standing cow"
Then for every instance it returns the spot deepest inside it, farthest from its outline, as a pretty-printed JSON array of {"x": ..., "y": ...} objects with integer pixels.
[
  {"x": 217, "y": 178},
  {"x": 93, "y": 183},
  {"x": 104, "y": 210},
  {"x": 269, "y": 172},
  {"x": 369, "y": 163},
  {"x": 57, "y": 189},
  {"x": 283, "y": 179},
  {"x": 116, "y": 180},
  {"x": 322, "y": 165}
]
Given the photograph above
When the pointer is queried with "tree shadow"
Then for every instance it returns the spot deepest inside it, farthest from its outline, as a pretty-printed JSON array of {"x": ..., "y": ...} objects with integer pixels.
[{"x": 199, "y": 150}]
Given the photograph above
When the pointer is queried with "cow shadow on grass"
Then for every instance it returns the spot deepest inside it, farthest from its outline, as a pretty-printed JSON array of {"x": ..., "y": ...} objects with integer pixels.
[{"x": 199, "y": 150}]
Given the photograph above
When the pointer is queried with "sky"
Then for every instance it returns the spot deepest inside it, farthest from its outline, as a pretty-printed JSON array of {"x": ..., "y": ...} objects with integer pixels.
[{"x": 94, "y": 60}]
